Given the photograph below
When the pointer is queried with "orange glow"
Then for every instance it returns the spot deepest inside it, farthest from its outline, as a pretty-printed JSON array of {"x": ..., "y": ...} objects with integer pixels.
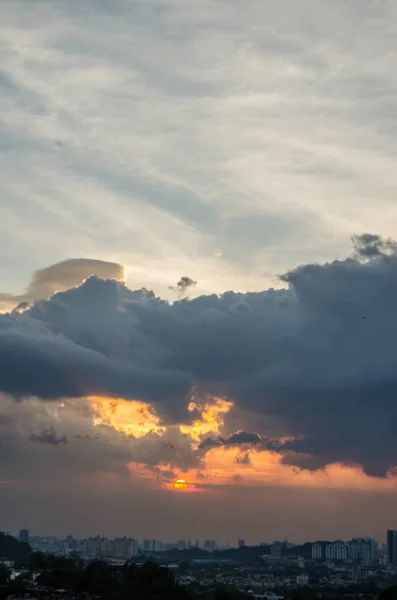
[
  {"x": 212, "y": 413},
  {"x": 131, "y": 417},
  {"x": 266, "y": 469},
  {"x": 220, "y": 466},
  {"x": 180, "y": 484}
]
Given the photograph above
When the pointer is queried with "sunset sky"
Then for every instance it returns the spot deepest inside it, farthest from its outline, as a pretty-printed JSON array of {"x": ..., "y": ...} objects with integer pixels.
[{"x": 198, "y": 273}]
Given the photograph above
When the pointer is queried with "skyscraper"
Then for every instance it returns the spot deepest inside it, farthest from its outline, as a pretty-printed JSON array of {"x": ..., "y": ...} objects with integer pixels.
[
  {"x": 24, "y": 536},
  {"x": 392, "y": 546}
]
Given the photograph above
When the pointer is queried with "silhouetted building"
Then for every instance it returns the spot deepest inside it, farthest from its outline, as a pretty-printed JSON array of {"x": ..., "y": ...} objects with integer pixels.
[
  {"x": 317, "y": 552},
  {"x": 392, "y": 546},
  {"x": 241, "y": 543},
  {"x": 71, "y": 542},
  {"x": 24, "y": 536},
  {"x": 210, "y": 545}
]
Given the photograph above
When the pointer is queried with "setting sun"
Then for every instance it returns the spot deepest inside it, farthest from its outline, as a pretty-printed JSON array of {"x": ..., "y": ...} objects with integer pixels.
[{"x": 180, "y": 484}]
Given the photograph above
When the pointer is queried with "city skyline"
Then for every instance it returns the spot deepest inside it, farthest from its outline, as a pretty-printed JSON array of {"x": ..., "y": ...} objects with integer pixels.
[
  {"x": 26, "y": 535},
  {"x": 199, "y": 266}
]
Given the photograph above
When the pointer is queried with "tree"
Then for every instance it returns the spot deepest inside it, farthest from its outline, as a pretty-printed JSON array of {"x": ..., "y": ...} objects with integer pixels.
[
  {"x": 18, "y": 551},
  {"x": 4, "y": 573}
]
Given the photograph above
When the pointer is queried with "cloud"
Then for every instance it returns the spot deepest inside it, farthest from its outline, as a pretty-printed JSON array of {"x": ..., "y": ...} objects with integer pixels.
[
  {"x": 317, "y": 358},
  {"x": 62, "y": 276},
  {"x": 275, "y": 170},
  {"x": 85, "y": 451},
  {"x": 48, "y": 436},
  {"x": 240, "y": 438},
  {"x": 243, "y": 459},
  {"x": 183, "y": 285},
  {"x": 70, "y": 273},
  {"x": 260, "y": 167}
]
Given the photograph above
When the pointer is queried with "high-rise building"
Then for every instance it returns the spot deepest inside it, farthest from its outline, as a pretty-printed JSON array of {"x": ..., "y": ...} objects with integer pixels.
[
  {"x": 95, "y": 547},
  {"x": 362, "y": 549},
  {"x": 336, "y": 551},
  {"x": 392, "y": 546},
  {"x": 24, "y": 536},
  {"x": 71, "y": 542},
  {"x": 276, "y": 549},
  {"x": 210, "y": 545},
  {"x": 241, "y": 543},
  {"x": 317, "y": 552},
  {"x": 153, "y": 546}
]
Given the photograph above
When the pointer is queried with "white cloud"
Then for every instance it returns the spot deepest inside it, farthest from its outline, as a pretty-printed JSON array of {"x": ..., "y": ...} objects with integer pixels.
[{"x": 155, "y": 134}]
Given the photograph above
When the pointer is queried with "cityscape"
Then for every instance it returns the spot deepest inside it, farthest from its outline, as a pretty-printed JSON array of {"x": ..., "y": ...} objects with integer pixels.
[
  {"x": 363, "y": 550},
  {"x": 266, "y": 570}
]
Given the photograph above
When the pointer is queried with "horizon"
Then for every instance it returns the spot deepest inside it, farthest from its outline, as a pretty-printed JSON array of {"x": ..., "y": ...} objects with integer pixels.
[{"x": 194, "y": 544}]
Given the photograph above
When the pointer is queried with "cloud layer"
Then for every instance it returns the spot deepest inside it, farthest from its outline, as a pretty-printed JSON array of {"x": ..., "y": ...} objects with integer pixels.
[
  {"x": 320, "y": 355},
  {"x": 201, "y": 139}
]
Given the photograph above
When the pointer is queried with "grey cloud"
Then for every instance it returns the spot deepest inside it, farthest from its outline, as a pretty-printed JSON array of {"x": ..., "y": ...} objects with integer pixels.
[
  {"x": 305, "y": 356},
  {"x": 183, "y": 285},
  {"x": 70, "y": 273},
  {"x": 244, "y": 439},
  {"x": 48, "y": 436},
  {"x": 84, "y": 450},
  {"x": 62, "y": 276},
  {"x": 41, "y": 363}
]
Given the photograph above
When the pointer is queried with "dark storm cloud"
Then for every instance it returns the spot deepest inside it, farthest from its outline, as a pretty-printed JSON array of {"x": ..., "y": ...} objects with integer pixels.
[
  {"x": 240, "y": 438},
  {"x": 319, "y": 358},
  {"x": 48, "y": 436},
  {"x": 369, "y": 245},
  {"x": 38, "y": 362},
  {"x": 246, "y": 440}
]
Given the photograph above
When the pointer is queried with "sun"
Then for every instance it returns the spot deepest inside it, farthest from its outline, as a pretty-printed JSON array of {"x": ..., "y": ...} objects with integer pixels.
[{"x": 180, "y": 484}]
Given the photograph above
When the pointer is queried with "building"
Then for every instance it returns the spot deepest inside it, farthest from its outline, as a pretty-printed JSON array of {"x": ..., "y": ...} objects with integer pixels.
[
  {"x": 241, "y": 543},
  {"x": 317, "y": 552},
  {"x": 24, "y": 536},
  {"x": 363, "y": 549},
  {"x": 95, "y": 547},
  {"x": 210, "y": 545},
  {"x": 392, "y": 546},
  {"x": 302, "y": 579},
  {"x": 119, "y": 548},
  {"x": 124, "y": 548},
  {"x": 153, "y": 546},
  {"x": 301, "y": 562},
  {"x": 276, "y": 549},
  {"x": 340, "y": 551}
]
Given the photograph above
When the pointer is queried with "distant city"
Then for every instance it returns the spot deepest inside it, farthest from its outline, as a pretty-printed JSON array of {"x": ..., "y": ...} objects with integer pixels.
[
  {"x": 265, "y": 571},
  {"x": 363, "y": 550}
]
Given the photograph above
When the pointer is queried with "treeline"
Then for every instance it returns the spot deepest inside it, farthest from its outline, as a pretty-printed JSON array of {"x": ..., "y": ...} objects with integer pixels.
[
  {"x": 241, "y": 555},
  {"x": 146, "y": 582},
  {"x": 10, "y": 548}
]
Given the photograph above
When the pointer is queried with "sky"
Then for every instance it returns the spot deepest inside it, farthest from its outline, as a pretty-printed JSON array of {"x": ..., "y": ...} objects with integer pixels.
[{"x": 198, "y": 271}]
